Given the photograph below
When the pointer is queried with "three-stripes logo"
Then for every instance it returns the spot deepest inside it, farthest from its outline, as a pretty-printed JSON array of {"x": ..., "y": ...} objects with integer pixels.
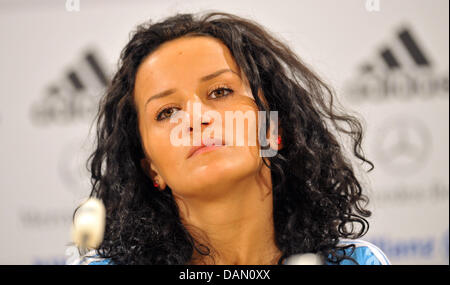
[
  {"x": 401, "y": 69},
  {"x": 75, "y": 95}
]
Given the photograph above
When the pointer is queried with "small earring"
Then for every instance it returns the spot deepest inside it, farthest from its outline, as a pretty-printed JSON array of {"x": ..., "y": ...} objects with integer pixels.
[
  {"x": 155, "y": 184},
  {"x": 279, "y": 140}
]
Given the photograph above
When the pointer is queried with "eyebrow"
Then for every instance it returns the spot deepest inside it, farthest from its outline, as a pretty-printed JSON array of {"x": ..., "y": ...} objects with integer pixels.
[{"x": 202, "y": 79}]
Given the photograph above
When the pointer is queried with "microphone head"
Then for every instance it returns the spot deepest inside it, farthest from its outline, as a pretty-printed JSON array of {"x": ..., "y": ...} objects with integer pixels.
[
  {"x": 89, "y": 224},
  {"x": 304, "y": 259}
]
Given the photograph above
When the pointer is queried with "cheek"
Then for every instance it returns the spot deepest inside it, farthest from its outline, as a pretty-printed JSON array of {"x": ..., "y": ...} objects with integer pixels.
[
  {"x": 239, "y": 159},
  {"x": 165, "y": 156},
  {"x": 244, "y": 128}
]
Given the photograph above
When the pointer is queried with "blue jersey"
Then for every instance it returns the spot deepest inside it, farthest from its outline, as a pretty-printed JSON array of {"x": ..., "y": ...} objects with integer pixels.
[{"x": 365, "y": 253}]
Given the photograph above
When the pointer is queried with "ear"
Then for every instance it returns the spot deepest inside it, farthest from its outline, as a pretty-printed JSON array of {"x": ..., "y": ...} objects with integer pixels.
[
  {"x": 145, "y": 167},
  {"x": 263, "y": 98},
  {"x": 151, "y": 172},
  {"x": 273, "y": 140}
]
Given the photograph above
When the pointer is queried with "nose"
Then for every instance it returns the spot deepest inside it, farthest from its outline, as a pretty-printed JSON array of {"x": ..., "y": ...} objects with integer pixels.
[
  {"x": 191, "y": 129},
  {"x": 197, "y": 113}
]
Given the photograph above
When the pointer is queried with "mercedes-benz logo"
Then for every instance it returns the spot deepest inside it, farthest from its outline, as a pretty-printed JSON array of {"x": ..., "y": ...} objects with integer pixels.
[{"x": 402, "y": 145}]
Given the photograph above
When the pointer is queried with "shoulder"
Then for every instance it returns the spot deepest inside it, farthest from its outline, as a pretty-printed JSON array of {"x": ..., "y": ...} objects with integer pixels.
[
  {"x": 92, "y": 258},
  {"x": 365, "y": 253}
]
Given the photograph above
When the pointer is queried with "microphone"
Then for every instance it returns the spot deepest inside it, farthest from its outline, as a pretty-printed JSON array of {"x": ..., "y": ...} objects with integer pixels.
[
  {"x": 89, "y": 224},
  {"x": 304, "y": 259}
]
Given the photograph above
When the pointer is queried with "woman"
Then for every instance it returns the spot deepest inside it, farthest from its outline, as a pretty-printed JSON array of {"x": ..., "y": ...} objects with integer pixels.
[{"x": 182, "y": 204}]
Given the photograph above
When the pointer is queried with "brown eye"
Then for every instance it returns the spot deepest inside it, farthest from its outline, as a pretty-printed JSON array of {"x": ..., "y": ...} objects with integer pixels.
[
  {"x": 220, "y": 92},
  {"x": 166, "y": 113}
]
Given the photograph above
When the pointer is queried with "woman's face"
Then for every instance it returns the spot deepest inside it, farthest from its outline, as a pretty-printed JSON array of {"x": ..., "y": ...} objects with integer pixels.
[{"x": 198, "y": 70}]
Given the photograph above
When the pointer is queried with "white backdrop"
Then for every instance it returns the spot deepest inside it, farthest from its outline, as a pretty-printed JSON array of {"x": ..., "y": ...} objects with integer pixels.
[{"x": 388, "y": 64}]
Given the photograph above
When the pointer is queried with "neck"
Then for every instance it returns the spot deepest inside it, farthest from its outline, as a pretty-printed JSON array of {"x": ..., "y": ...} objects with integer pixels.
[{"x": 237, "y": 226}]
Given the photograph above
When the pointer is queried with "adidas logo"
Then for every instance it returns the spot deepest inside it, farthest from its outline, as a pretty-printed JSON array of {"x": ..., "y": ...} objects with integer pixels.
[
  {"x": 400, "y": 70},
  {"x": 75, "y": 95}
]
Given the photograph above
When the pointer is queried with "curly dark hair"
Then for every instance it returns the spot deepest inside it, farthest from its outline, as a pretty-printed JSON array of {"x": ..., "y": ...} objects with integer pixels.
[{"x": 317, "y": 199}]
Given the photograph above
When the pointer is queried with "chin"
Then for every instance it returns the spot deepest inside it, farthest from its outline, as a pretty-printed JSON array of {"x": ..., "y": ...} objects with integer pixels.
[{"x": 208, "y": 174}]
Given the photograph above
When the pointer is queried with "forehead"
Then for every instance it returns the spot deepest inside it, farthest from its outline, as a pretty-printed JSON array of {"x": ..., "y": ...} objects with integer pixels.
[{"x": 183, "y": 60}]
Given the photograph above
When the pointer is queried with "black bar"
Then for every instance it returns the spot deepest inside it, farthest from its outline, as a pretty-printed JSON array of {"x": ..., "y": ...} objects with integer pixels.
[
  {"x": 413, "y": 49},
  {"x": 367, "y": 68},
  {"x": 389, "y": 59},
  {"x": 289, "y": 274},
  {"x": 75, "y": 80},
  {"x": 90, "y": 57}
]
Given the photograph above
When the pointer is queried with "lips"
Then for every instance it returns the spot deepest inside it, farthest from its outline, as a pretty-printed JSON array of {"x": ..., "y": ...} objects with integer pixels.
[{"x": 205, "y": 146}]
